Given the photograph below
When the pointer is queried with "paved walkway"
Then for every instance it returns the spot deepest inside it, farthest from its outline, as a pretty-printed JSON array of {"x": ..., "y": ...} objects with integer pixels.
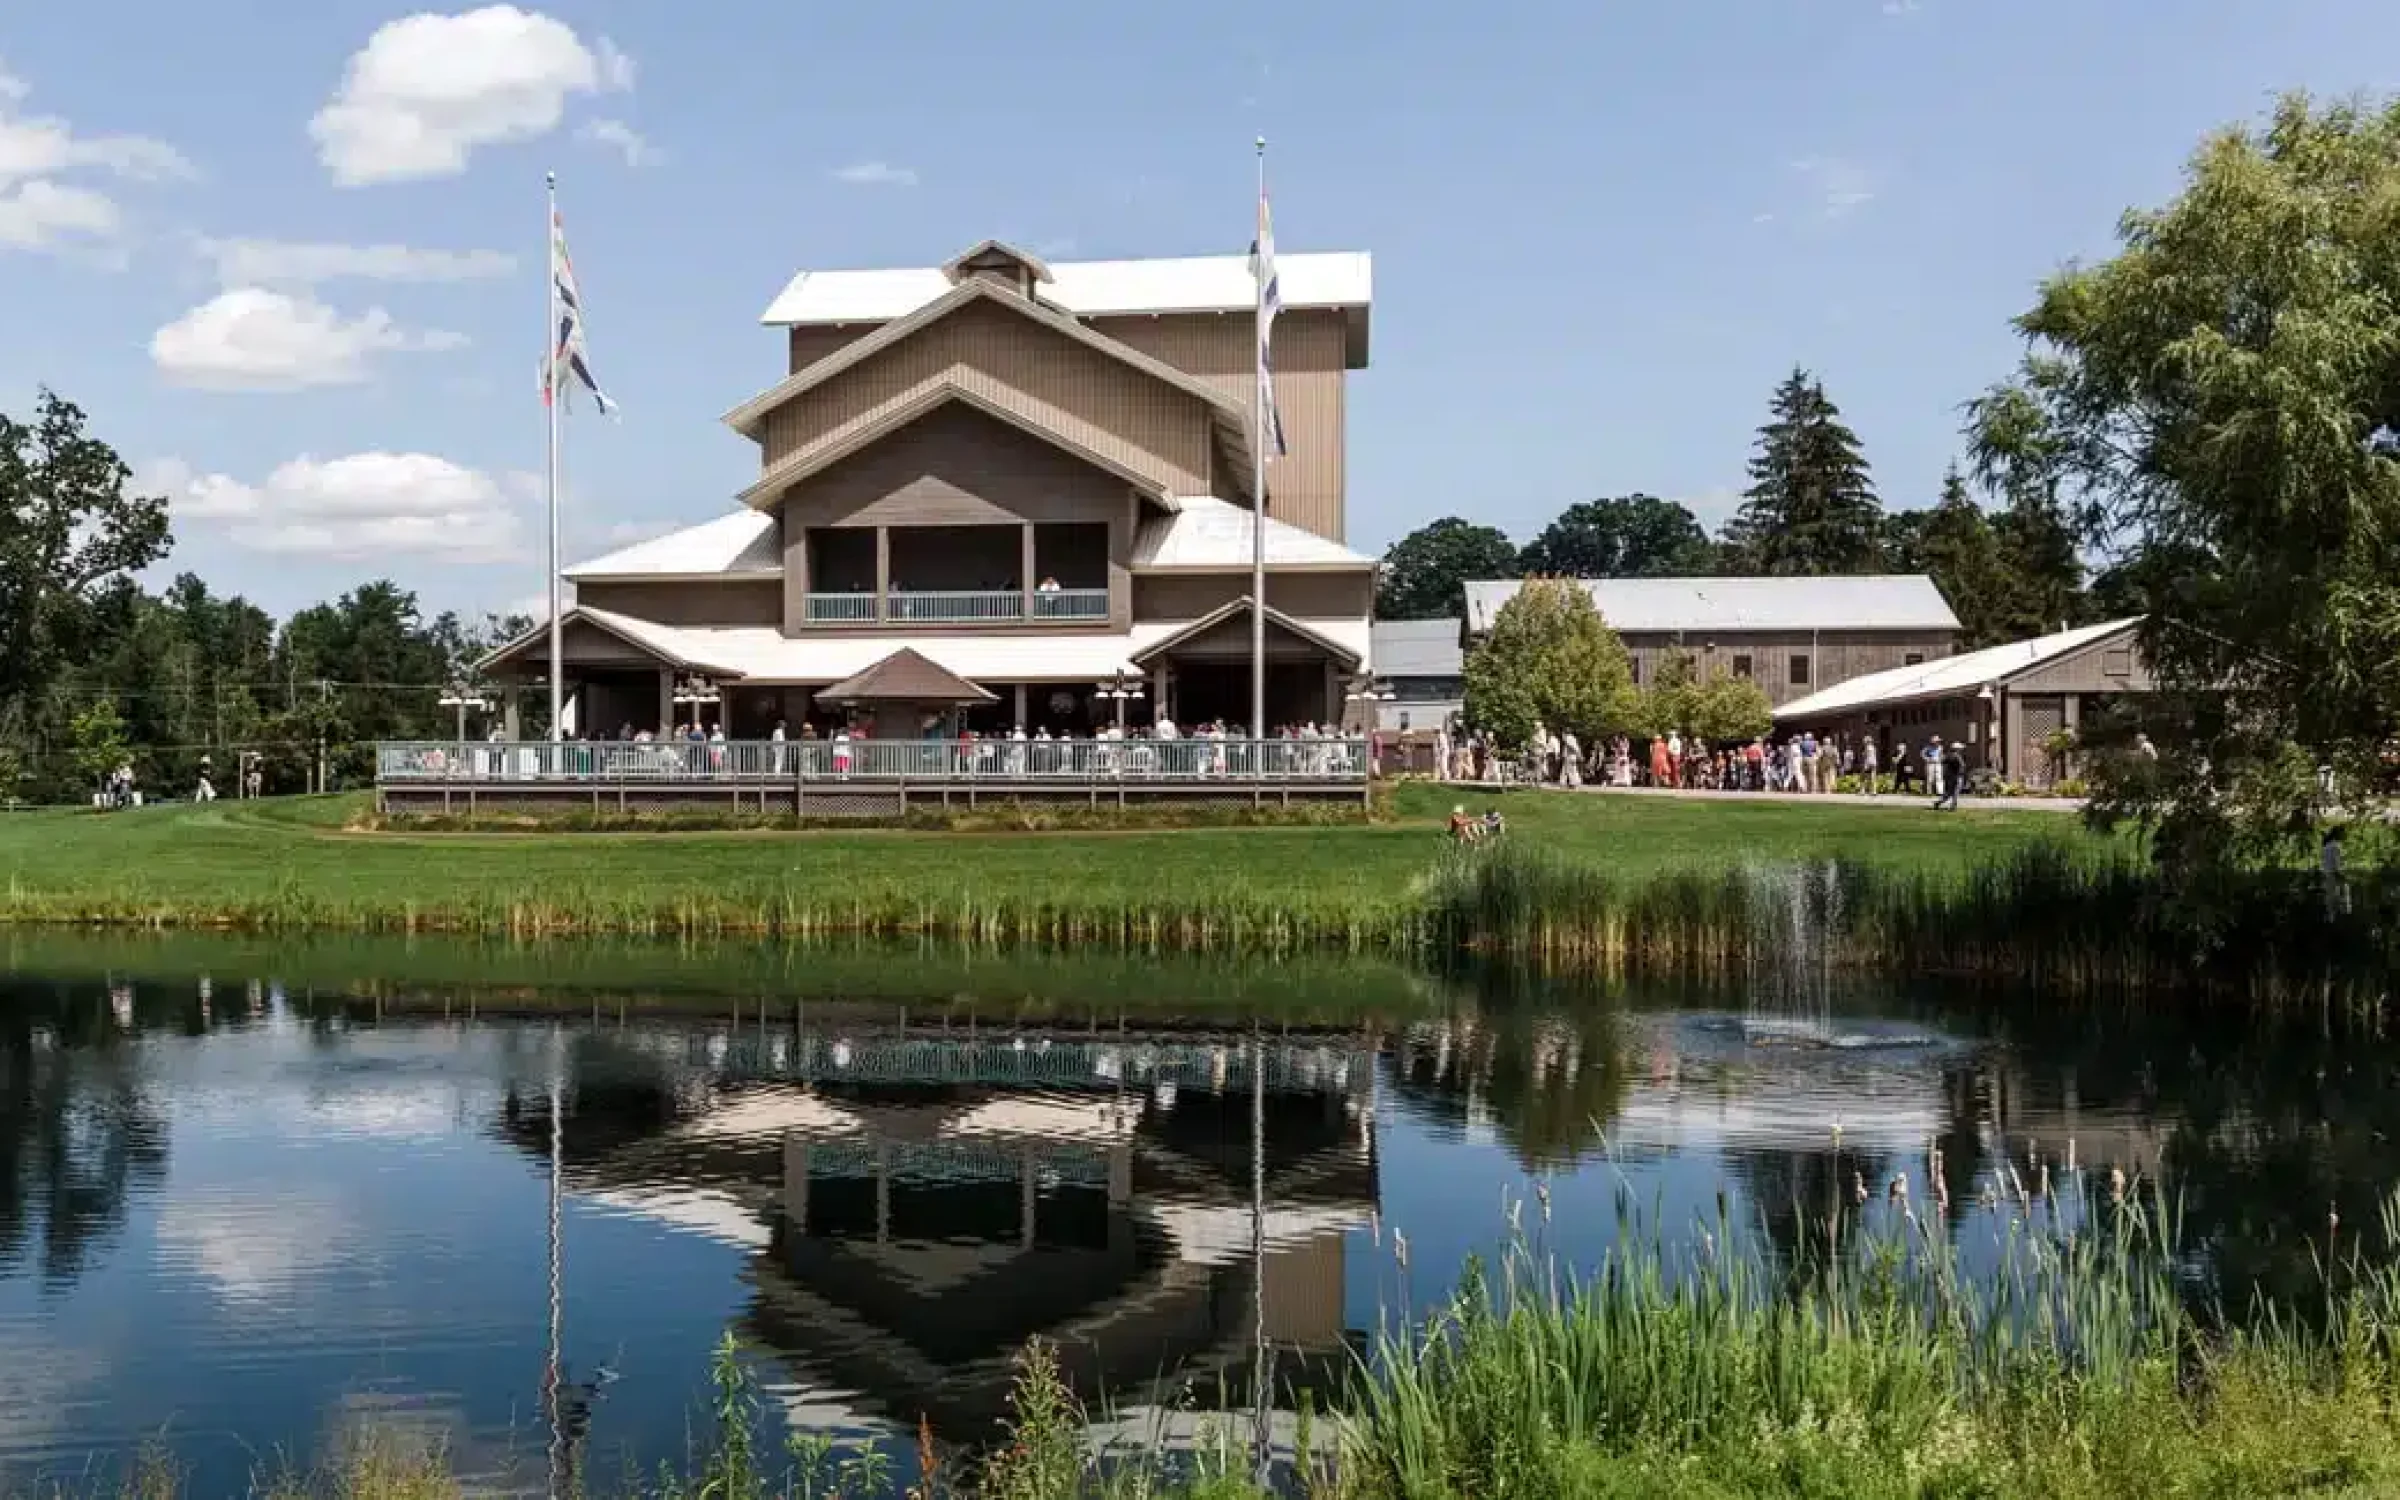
[{"x": 1828, "y": 799}]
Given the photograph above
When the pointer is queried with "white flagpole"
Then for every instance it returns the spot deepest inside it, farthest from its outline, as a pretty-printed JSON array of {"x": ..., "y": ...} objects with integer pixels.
[
  {"x": 556, "y": 394},
  {"x": 1258, "y": 477}
]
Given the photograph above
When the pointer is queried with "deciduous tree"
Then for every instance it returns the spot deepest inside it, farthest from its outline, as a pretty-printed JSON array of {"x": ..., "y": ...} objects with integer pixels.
[
  {"x": 2217, "y": 404},
  {"x": 1549, "y": 660},
  {"x": 1424, "y": 571},
  {"x": 1628, "y": 536}
]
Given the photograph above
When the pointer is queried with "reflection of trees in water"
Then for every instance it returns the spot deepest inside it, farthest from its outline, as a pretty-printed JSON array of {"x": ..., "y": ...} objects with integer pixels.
[
  {"x": 77, "y": 1130},
  {"x": 1552, "y": 1083}
]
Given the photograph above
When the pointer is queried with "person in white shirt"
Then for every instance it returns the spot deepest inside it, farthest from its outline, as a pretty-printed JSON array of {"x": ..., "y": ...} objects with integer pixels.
[{"x": 775, "y": 738}]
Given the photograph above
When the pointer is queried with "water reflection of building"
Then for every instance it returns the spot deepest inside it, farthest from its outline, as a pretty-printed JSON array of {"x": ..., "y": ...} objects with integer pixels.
[{"x": 920, "y": 1206}]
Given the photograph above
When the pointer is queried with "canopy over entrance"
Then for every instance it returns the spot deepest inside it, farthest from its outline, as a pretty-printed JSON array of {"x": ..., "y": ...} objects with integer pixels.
[{"x": 903, "y": 692}]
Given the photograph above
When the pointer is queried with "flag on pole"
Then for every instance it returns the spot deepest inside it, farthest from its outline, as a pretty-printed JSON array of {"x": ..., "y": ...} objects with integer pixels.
[
  {"x": 1270, "y": 302},
  {"x": 567, "y": 352}
]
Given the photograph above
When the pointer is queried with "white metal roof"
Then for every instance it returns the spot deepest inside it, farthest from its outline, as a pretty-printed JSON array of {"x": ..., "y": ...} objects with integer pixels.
[
  {"x": 1200, "y": 283},
  {"x": 747, "y": 541},
  {"x": 1946, "y": 676},
  {"x": 1206, "y": 534},
  {"x": 1418, "y": 648},
  {"x": 763, "y": 653},
  {"x": 1897, "y": 601}
]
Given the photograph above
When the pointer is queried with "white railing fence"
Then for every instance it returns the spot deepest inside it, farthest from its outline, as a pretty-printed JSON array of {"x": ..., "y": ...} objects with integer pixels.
[{"x": 410, "y": 762}]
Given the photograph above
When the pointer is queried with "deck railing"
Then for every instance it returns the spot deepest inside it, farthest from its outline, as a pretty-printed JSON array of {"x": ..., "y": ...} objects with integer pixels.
[
  {"x": 578, "y": 762},
  {"x": 1071, "y": 604},
  {"x": 956, "y": 606},
  {"x": 845, "y": 608}
]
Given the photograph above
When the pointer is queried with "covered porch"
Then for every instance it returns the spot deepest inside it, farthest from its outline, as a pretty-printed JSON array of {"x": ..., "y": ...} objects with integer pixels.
[{"x": 1199, "y": 671}]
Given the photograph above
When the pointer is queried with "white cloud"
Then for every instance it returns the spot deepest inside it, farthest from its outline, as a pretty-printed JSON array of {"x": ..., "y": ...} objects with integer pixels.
[
  {"x": 428, "y": 90},
  {"x": 365, "y": 505},
  {"x": 622, "y": 138},
  {"x": 253, "y": 339},
  {"x": 298, "y": 263},
  {"x": 1902, "y": 7},
  {"x": 1837, "y": 186},
  {"x": 876, "y": 174},
  {"x": 46, "y": 200}
]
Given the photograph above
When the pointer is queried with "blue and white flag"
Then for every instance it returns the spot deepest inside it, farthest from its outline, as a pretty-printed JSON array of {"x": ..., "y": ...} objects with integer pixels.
[
  {"x": 567, "y": 353},
  {"x": 1270, "y": 302}
]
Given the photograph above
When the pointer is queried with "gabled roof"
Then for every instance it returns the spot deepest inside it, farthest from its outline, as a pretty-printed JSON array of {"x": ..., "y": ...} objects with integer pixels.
[
  {"x": 1340, "y": 651},
  {"x": 959, "y": 264},
  {"x": 906, "y": 676},
  {"x": 641, "y": 635},
  {"x": 1902, "y": 601},
  {"x": 1418, "y": 648},
  {"x": 1232, "y": 418},
  {"x": 1949, "y": 676},
  {"x": 1209, "y": 535},
  {"x": 783, "y": 476},
  {"x": 746, "y": 543}
]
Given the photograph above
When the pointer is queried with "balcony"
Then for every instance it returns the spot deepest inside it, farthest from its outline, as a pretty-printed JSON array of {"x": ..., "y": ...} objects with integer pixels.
[{"x": 959, "y": 607}]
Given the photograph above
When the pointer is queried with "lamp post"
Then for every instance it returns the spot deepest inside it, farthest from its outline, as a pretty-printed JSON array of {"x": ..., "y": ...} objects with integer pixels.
[
  {"x": 694, "y": 691},
  {"x": 462, "y": 699},
  {"x": 1992, "y": 748},
  {"x": 1119, "y": 687},
  {"x": 1366, "y": 692}
]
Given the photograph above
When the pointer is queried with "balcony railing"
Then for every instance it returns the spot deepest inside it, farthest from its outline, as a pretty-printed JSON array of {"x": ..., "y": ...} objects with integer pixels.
[
  {"x": 604, "y": 762},
  {"x": 1071, "y": 604},
  {"x": 841, "y": 607},
  {"x": 957, "y": 607}
]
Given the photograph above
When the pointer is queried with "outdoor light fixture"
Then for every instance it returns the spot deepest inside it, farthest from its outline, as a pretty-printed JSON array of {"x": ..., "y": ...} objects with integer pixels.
[
  {"x": 694, "y": 691},
  {"x": 462, "y": 699},
  {"x": 1367, "y": 690},
  {"x": 1119, "y": 687}
]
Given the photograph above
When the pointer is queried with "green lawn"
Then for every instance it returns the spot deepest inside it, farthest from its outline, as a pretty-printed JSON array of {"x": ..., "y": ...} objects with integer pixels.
[{"x": 291, "y": 862}]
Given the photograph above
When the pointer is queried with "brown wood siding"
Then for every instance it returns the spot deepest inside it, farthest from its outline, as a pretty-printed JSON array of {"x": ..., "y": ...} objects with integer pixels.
[
  {"x": 2112, "y": 665},
  {"x": 1303, "y": 596},
  {"x": 1055, "y": 383},
  {"x": 744, "y": 603},
  {"x": 812, "y": 344},
  {"x": 1834, "y": 656},
  {"x": 1307, "y": 486},
  {"x": 955, "y": 466}
]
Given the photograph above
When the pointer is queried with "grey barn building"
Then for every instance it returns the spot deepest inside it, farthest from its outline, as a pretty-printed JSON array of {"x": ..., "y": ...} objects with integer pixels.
[
  {"x": 1792, "y": 636},
  {"x": 1422, "y": 664}
]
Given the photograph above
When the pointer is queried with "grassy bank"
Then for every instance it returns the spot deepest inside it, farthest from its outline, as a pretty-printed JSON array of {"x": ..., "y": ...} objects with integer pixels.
[
  {"x": 1589, "y": 884},
  {"x": 1880, "y": 1368},
  {"x": 291, "y": 867}
]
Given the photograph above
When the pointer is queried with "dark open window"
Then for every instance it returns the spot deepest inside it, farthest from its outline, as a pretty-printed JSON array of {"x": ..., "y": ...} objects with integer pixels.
[
  {"x": 1799, "y": 669},
  {"x": 1741, "y": 667}
]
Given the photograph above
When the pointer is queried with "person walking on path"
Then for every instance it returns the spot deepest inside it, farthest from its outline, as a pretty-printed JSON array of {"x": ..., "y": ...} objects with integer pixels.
[
  {"x": 1953, "y": 776},
  {"x": 1866, "y": 766}
]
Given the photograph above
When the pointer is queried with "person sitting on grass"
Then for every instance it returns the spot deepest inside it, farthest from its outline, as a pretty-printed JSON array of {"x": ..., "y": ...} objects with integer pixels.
[
  {"x": 1493, "y": 824},
  {"x": 1463, "y": 829}
]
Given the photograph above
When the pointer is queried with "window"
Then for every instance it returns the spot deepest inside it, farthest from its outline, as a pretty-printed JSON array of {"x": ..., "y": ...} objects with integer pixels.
[
  {"x": 1913, "y": 659},
  {"x": 2118, "y": 663},
  {"x": 1741, "y": 667},
  {"x": 1637, "y": 671},
  {"x": 1799, "y": 669}
]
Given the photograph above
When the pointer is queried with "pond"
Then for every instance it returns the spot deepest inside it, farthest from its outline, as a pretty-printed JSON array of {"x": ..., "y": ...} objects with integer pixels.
[{"x": 255, "y": 1197}]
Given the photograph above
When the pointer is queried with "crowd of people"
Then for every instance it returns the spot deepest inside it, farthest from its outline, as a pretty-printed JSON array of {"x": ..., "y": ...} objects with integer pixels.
[{"x": 1801, "y": 763}]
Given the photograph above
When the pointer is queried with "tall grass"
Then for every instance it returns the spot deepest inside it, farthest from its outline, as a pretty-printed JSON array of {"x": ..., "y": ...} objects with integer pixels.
[
  {"x": 1880, "y": 1367},
  {"x": 2066, "y": 917}
]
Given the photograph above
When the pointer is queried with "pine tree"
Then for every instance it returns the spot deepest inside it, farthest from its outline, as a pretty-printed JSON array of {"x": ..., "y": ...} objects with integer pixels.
[
  {"x": 1954, "y": 543},
  {"x": 1811, "y": 507},
  {"x": 2042, "y": 565}
]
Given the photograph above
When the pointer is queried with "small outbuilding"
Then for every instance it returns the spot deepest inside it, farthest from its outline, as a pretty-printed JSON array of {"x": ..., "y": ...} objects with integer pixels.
[{"x": 2007, "y": 704}]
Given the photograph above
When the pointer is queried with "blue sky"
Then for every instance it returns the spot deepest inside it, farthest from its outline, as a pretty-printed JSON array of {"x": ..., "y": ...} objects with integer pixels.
[{"x": 1602, "y": 231}]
